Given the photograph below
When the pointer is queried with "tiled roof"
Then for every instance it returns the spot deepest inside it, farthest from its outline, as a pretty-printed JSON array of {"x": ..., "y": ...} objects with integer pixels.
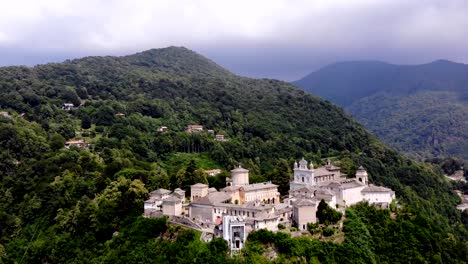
[
  {"x": 172, "y": 199},
  {"x": 230, "y": 188},
  {"x": 373, "y": 188},
  {"x": 212, "y": 198},
  {"x": 160, "y": 191},
  {"x": 259, "y": 186},
  {"x": 304, "y": 202}
]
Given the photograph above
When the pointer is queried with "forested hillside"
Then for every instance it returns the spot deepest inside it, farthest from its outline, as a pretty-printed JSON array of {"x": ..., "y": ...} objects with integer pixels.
[
  {"x": 421, "y": 109},
  {"x": 60, "y": 205}
]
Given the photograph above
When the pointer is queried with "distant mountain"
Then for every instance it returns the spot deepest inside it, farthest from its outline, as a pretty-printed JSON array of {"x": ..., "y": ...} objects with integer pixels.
[
  {"x": 419, "y": 109},
  {"x": 89, "y": 202}
]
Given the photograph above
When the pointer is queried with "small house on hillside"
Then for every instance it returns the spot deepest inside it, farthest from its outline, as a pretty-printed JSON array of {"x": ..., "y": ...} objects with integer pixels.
[
  {"x": 163, "y": 129},
  {"x": 212, "y": 172},
  {"x": 77, "y": 143},
  {"x": 220, "y": 137},
  {"x": 120, "y": 114},
  {"x": 193, "y": 128},
  {"x": 5, "y": 114},
  {"x": 68, "y": 106}
]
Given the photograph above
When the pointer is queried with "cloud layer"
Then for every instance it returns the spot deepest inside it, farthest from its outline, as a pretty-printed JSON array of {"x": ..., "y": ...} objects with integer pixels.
[{"x": 274, "y": 38}]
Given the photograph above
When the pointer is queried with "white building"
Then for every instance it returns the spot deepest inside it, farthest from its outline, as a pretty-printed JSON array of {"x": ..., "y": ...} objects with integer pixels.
[
  {"x": 213, "y": 172},
  {"x": 5, "y": 114},
  {"x": 328, "y": 184},
  {"x": 257, "y": 203},
  {"x": 378, "y": 195},
  {"x": 234, "y": 232},
  {"x": 197, "y": 191},
  {"x": 172, "y": 206},
  {"x": 304, "y": 212},
  {"x": 165, "y": 201},
  {"x": 68, "y": 106},
  {"x": 306, "y": 175}
]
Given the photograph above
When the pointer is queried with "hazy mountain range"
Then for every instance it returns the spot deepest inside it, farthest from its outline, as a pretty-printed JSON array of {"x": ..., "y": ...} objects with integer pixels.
[{"x": 419, "y": 109}]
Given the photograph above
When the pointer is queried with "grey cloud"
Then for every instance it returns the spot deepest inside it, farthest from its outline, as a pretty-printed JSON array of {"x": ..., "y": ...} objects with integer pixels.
[{"x": 275, "y": 39}]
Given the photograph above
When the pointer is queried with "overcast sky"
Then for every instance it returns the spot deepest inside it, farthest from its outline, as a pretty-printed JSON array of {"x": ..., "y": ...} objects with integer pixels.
[{"x": 273, "y": 38}]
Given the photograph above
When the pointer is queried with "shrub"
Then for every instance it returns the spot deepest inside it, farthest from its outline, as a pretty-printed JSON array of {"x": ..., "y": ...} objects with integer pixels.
[
  {"x": 281, "y": 226},
  {"x": 327, "y": 231},
  {"x": 312, "y": 227},
  {"x": 326, "y": 214}
]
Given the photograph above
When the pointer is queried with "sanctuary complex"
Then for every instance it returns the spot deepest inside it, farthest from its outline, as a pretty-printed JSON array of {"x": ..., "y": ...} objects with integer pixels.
[{"x": 242, "y": 207}]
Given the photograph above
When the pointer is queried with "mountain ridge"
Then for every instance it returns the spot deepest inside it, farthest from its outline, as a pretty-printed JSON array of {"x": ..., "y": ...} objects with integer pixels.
[
  {"x": 89, "y": 202},
  {"x": 362, "y": 87}
]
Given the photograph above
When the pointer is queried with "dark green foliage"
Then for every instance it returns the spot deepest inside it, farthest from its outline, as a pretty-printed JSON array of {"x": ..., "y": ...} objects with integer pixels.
[
  {"x": 448, "y": 165},
  {"x": 328, "y": 231},
  {"x": 421, "y": 109},
  {"x": 312, "y": 227},
  {"x": 281, "y": 175},
  {"x": 327, "y": 215}
]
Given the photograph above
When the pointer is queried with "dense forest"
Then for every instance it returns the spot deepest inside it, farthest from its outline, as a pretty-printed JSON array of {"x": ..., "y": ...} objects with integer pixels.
[
  {"x": 421, "y": 110},
  {"x": 60, "y": 205}
]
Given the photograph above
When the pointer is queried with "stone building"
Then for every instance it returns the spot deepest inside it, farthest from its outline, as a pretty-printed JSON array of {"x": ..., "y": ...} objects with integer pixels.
[
  {"x": 256, "y": 203},
  {"x": 234, "y": 232},
  {"x": 197, "y": 191},
  {"x": 241, "y": 207},
  {"x": 162, "y": 201},
  {"x": 80, "y": 143},
  {"x": 304, "y": 212},
  {"x": 172, "y": 206},
  {"x": 193, "y": 128},
  {"x": 310, "y": 186}
]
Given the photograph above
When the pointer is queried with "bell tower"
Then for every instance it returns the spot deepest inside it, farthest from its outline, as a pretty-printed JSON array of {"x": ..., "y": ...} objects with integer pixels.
[
  {"x": 303, "y": 174},
  {"x": 361, "y": 176}
]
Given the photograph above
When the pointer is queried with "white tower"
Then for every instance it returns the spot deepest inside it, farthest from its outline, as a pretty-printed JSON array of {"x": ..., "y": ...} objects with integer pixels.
[
  {"x": 361, "y": 176},
  {"x": 240, "y": 176},
  {"x": 303, "y": 174}
]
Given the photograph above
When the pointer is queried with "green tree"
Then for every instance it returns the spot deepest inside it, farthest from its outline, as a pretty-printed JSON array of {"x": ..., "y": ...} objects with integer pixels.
[
  {"x": 281, "y": 176},
  {"x": 326, "y": 214},
  {"x": 57, "y": 141}
]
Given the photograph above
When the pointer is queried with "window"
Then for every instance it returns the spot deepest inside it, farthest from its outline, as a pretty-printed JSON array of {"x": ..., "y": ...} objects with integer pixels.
[{"x": 302, "y": 179}]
